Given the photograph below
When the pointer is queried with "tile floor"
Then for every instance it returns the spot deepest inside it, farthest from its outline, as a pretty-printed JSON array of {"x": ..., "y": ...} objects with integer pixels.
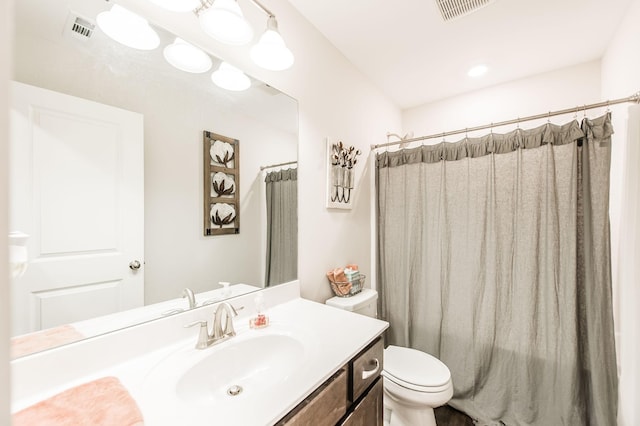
[{"x": 448, "y": 416}]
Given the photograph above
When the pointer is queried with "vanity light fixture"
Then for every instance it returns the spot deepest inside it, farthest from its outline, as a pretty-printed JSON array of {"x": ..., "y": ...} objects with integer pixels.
[
  {"x": 224, "y": 21},
  {"x": 128, "y": 28},
  {"x": 230, "y": 78},
  {"x": 187, "y": 57},
  {"x": 178, "y": 5},
  {"x": 271, "y": 52}
]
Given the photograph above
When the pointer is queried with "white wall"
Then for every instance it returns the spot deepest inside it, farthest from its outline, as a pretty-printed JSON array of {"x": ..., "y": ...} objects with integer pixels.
[
  {"x": 621, "y": 78},
  {"x": 554, "y": 90},
  {"x": 6, "y": 7}
]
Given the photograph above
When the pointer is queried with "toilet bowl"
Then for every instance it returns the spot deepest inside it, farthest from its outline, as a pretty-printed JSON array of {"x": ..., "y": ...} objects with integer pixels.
[{"x": 414, "y": 382}]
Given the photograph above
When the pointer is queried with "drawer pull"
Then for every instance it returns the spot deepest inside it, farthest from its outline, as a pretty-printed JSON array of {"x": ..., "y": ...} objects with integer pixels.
[{"x": 368, "y": 373}]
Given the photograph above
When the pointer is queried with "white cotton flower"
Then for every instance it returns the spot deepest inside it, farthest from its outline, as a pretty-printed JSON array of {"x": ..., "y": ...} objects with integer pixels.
[
  {"x": 222, "y": 214},
  {"x": 221, "y": 152},
  {"x": 223, "y": 184}
]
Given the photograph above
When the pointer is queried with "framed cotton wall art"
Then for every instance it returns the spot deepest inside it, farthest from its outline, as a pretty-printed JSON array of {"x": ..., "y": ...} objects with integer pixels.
[
  {"x": 221, "y": 184},
  {"x": 341, "y": 162}
]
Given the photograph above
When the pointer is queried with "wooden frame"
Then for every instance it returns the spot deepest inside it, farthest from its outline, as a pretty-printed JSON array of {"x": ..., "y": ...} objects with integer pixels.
[{"x": 221, "y": 177}]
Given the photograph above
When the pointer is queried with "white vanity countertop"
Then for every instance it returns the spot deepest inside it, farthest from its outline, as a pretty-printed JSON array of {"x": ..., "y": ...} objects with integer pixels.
[{"x": 331, "y": 337}]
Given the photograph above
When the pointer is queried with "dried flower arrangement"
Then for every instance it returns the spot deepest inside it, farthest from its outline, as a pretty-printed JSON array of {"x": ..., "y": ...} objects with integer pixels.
[{"x": 343, "y": 159}]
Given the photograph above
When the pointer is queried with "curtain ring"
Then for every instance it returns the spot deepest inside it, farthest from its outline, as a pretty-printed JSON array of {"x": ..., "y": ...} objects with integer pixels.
[
  {"x": 608, "y": 110},
  {"x": 549, "y": 117}
]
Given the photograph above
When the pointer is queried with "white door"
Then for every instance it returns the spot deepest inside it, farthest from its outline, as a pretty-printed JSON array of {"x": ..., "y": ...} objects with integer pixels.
[{"x": 77, "y": 188}]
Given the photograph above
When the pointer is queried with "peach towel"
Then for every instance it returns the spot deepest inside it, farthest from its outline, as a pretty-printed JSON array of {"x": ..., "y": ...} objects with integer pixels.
[
  {"x": 337, "y": 275},
  {"x": 102, "y": 402},
  {"x": 45, "y": 339}
]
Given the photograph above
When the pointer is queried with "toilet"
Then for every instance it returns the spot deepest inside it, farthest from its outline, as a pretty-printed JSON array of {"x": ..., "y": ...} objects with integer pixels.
[{"x": 414, "y": 382}]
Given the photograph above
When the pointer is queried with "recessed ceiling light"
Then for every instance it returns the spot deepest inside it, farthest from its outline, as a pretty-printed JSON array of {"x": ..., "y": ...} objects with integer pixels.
[{"x": 477, "y": 71}]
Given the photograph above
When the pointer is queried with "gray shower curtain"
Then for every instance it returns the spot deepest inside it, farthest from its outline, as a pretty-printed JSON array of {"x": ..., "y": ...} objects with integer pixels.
[
  {"x": 282, "y": 226},
  {"x": 493, "y": 255}
]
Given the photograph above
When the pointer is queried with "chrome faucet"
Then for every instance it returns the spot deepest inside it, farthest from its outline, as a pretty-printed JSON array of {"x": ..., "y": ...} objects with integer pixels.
[
  {"x": 188, "y": 293},
  {"x": 228, "y": 330},
  {"x": 218, "y": 334}
]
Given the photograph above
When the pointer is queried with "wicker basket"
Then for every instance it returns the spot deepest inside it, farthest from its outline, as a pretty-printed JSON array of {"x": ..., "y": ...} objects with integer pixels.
[{"x": 348, "y": 288}]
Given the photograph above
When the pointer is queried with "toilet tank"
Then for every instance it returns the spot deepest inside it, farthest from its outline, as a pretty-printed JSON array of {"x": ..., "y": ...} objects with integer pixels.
[{"x": 364, "y": 303}]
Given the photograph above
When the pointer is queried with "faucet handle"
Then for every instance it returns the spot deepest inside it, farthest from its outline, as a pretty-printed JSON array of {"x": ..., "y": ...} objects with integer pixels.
[
  {"x": 193, "y": 324},
  {"x": 203, "y": 335}
]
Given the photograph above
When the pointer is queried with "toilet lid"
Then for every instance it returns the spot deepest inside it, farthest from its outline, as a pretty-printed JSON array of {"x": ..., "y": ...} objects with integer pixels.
[{"x": 415, "y": 367}]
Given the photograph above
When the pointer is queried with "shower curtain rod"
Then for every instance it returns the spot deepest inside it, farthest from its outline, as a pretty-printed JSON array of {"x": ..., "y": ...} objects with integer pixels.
[
  {"x": 633, "y": 98},
  {"x": 278, "y": 165}
]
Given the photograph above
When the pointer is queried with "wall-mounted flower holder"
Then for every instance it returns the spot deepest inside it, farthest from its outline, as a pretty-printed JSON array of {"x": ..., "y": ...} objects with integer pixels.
[
  {"x": 221, "y": 184},
  {"x": 341, "y": 162}
]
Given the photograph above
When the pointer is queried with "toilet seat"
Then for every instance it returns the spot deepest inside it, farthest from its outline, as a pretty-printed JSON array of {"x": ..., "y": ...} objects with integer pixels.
[{"x": 415, "y": 370}]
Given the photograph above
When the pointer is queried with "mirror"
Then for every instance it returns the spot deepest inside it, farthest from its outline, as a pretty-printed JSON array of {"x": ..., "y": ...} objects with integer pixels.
[{"x": 176, "y": 107}]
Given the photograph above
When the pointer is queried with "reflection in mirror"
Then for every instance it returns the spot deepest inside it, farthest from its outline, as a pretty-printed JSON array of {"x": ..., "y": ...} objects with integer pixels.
[{"x": 106, "y": 171}]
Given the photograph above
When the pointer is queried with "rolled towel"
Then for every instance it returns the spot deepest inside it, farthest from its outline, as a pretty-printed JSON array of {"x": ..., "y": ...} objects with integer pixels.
[
  {"x": 330, "y": 276},
  {"x": 352, "y": 266},
  {"x": 339, "y": 275},
  {"x": 102, "y": 402}
]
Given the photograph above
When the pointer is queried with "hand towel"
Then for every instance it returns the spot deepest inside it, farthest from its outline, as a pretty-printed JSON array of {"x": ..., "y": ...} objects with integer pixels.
[
  {"x": 102, "y": 402},
  {"x": 339, "y": 275},
  {"x": 45, "y": 339}
]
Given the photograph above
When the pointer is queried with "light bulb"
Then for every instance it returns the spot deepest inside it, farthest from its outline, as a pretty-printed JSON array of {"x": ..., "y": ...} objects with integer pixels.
[
  {"x": 230, "y": 78},
  {"x": 187, "y": 57},
  {"x": 225, "y": 22},
  {"x": 271, "y": 52},
  {"x": 127, "y": 28}
]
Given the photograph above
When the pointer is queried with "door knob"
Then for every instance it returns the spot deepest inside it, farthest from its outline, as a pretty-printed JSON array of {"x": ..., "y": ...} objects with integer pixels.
[{"x": 134, "y": 265}]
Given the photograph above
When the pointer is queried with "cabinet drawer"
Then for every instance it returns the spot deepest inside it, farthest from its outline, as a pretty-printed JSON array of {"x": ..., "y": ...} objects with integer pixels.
[
  {"x": 369, "y": 411},
  {"x": 324, "y": 407},
  {"x": 366, "y": 368}
]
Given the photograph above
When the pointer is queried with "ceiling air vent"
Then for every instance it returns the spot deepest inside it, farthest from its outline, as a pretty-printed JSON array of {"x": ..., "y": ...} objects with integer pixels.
[
  {"x": 452, "y": 9},
  {"x": 78, "y": 27}
]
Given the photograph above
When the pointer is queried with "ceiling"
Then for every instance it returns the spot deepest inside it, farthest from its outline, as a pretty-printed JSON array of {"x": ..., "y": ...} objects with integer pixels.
[{"x": 413, "y": 56}]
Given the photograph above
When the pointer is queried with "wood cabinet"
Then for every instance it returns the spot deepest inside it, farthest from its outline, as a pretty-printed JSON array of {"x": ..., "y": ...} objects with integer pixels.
[
  {"x": 369, "y": 410},
  {"x": 351, "y": 397}
]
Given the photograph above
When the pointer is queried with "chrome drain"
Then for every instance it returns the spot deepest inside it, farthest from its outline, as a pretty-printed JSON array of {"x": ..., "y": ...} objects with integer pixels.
[{"x": 234, "y": 390}]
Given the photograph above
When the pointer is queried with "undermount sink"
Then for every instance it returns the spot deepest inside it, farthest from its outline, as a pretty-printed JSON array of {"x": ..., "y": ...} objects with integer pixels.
[{"x": 240, "y": 369}]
